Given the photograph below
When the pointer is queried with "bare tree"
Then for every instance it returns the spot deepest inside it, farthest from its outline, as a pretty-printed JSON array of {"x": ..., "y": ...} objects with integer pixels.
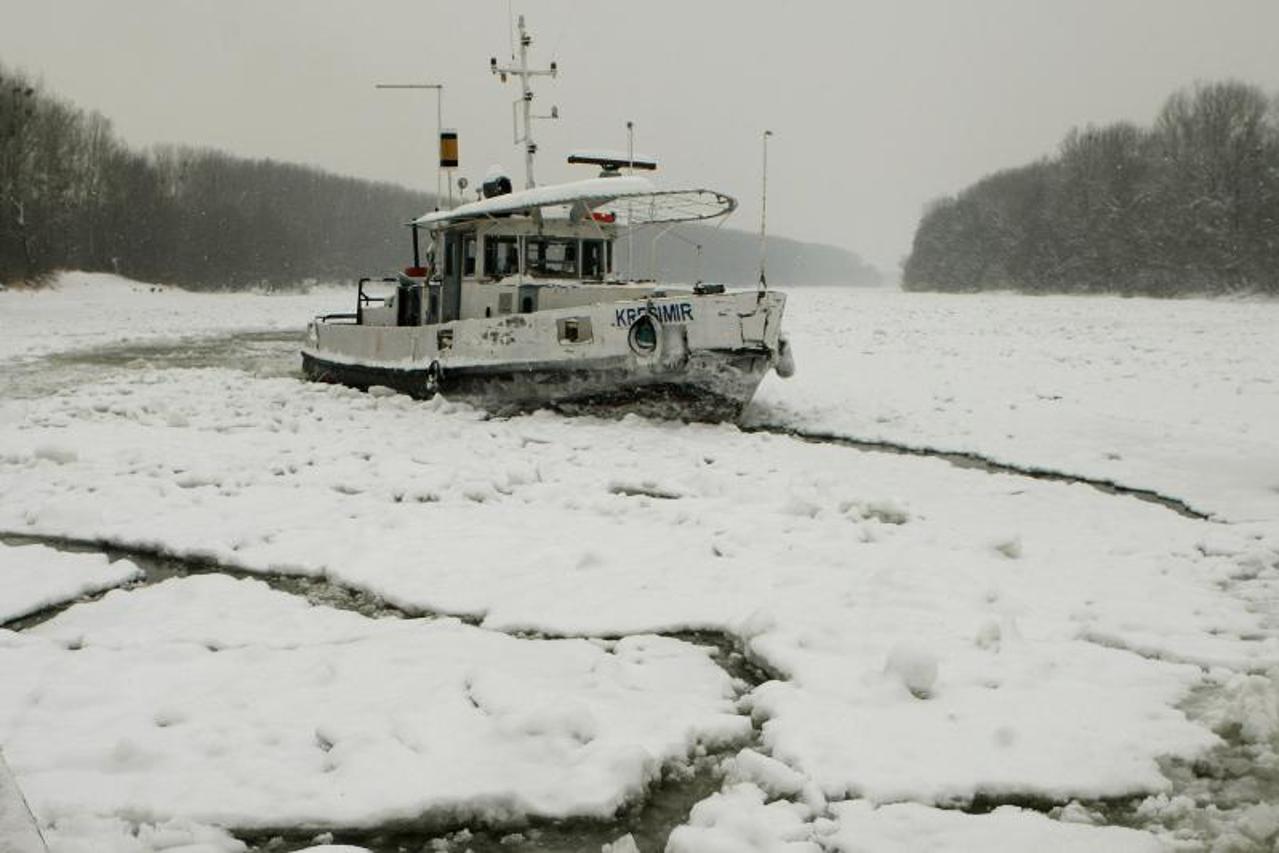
[{"x": 1190, "y": 205}]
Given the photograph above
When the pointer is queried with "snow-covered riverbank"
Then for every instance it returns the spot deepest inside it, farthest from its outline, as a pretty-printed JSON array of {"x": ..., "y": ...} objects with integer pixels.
[{"x": 940, "y": 636}]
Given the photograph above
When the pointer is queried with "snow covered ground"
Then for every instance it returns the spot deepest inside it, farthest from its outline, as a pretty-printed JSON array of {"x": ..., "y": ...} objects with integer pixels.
[{"x": 940, "y": 638}]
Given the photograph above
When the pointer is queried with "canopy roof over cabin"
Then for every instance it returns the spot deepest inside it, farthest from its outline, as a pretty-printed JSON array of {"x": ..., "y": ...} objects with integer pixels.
[{"x": 644, "y": 204}]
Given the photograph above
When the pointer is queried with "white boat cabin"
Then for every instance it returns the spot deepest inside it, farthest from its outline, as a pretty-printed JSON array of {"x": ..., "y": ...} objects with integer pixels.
[{"x": 508, "y": 255}]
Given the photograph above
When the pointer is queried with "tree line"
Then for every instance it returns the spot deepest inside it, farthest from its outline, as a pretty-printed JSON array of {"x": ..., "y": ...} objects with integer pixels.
[
  {"x": 73, "y": 196},
  {"x": 1190, "y": 205}
]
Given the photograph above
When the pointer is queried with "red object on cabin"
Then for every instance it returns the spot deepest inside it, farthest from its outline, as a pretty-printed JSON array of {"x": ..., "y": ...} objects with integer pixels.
[
  {"x": 415, "y": 272},
  {"x": 603, "y": 217}
]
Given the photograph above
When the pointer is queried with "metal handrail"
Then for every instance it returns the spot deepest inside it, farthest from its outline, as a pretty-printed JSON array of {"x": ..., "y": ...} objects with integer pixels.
[{"x": 364, "y": 299}]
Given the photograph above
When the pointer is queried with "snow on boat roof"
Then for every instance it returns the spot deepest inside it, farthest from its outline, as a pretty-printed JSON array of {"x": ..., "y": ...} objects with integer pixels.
[{"x": 647, "y": 204}]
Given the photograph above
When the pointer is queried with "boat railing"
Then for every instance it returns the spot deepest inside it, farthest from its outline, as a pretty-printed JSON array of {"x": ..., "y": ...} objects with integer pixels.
[
  {"x": 363, "y": 301},
  {"x": 366, "y": 300}
]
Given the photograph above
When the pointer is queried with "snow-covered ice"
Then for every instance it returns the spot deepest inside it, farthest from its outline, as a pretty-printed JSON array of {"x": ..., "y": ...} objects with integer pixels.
[
  {"x": 1174, "y": 395},
  {"x": 34, "y": 577},
  {"x": 908, "y": 826},
  {"x": 743, "y": 817},
  {"x": 222, "y": 701},
  {"x": 937, "y": 634},
  {"x": 84, "y": 833},
  {"x": 85, "y": 310},
  {"x": 18, "y": 830}
]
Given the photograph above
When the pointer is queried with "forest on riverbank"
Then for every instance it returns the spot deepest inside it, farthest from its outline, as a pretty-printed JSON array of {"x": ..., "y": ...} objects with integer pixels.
[
  {"x": 74, "y": 196},
  {"x": 1189, "y": 205}
]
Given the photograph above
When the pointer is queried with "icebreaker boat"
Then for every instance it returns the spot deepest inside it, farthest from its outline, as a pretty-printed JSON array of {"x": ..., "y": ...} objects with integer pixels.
[{"x": 517, "y": 305}]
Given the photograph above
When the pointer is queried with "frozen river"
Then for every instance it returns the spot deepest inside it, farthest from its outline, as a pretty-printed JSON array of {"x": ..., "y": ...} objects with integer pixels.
[{"x": 1047, "y": 618}]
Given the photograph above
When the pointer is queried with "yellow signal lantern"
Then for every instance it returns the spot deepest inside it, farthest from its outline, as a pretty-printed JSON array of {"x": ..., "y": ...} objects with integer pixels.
[{"x": 448, "y": 149}]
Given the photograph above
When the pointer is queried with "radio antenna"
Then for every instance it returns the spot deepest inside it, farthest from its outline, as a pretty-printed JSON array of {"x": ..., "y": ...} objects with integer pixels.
[
  {"x": 510, "y": 27},
  {"x": 526, "y": 100},
  {"x": 763, "y": 219}
]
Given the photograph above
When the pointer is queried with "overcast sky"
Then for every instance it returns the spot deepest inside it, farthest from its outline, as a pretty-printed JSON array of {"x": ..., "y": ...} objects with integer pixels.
[{"x": 876, "y": 107}]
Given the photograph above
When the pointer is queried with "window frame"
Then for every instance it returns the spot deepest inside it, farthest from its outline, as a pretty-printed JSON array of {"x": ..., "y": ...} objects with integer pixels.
[
  {"x": 572, "y": 253},
  {"x": 495, "y": 242}
]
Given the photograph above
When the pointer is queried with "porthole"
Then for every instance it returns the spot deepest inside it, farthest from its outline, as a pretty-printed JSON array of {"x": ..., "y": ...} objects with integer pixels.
[{"x": 643, "y": 335}]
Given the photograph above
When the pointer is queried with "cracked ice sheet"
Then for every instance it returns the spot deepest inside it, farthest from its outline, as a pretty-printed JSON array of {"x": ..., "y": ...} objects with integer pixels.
[
  {"x": 827, "y": 561},
  {"x": 89, "y": 834},
  {"x": 906, "y": 827},
  {"x": 743, "y": 818},
  {"x": 33, "y": 577},
  {"x": 222, "y": 702},
  {"x": 1174, "y": 395}
]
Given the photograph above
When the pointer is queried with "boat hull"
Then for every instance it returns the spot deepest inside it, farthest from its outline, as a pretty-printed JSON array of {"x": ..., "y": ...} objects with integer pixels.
[
  {"x": 701, "y": 359},
  {"x": 712, "y": 386}
]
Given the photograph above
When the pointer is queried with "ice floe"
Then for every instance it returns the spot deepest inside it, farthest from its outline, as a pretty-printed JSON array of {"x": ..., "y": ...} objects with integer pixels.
[
  {"x": 929, "y": 635},
  {"x": 1174, "y": 395},
  {"x": 35, "y": 577},
  {"x": 227, "y": 703}
]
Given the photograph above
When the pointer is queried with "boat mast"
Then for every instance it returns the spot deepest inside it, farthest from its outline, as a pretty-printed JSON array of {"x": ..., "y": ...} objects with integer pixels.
[
  {"x": 526, "y": 101},
  {"x": 630, "y": 229},
  {"x": 763, "y": 218}
]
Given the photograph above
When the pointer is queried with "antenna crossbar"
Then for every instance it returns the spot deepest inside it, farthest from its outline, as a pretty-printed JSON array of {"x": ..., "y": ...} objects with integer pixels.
[{"x": 525, "y": 103}]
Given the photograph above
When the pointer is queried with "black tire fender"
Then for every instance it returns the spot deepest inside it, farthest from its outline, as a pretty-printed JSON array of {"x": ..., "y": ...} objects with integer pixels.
[{"x": 434, "y": 373}]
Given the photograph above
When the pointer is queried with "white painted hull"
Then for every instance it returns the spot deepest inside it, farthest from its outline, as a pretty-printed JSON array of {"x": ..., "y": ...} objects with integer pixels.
[{"x": 709, "y": 355}]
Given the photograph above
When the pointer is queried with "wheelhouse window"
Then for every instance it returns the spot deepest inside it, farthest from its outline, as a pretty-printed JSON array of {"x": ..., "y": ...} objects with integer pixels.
[
  {"x": 501, "y": 256},
  {"x": 593, "y": 266},
  {"x": 550, "y": 257},
  {"x": 468, "y": 256}
]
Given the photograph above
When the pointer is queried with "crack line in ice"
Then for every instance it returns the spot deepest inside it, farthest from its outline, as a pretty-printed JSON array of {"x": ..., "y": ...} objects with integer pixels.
[
  {"x": 731, "y": 655},
  {"x": 1118, "y": 643},
  {"x": 158, "y": 565},
  {"x": 663, "y": 805},
  {"x": 969, "y": 459},
  {"x": 667, "y": 801}
]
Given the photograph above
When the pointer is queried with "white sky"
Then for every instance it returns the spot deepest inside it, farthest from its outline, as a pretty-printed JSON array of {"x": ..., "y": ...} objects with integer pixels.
[{"x": 877, "y": 107}]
